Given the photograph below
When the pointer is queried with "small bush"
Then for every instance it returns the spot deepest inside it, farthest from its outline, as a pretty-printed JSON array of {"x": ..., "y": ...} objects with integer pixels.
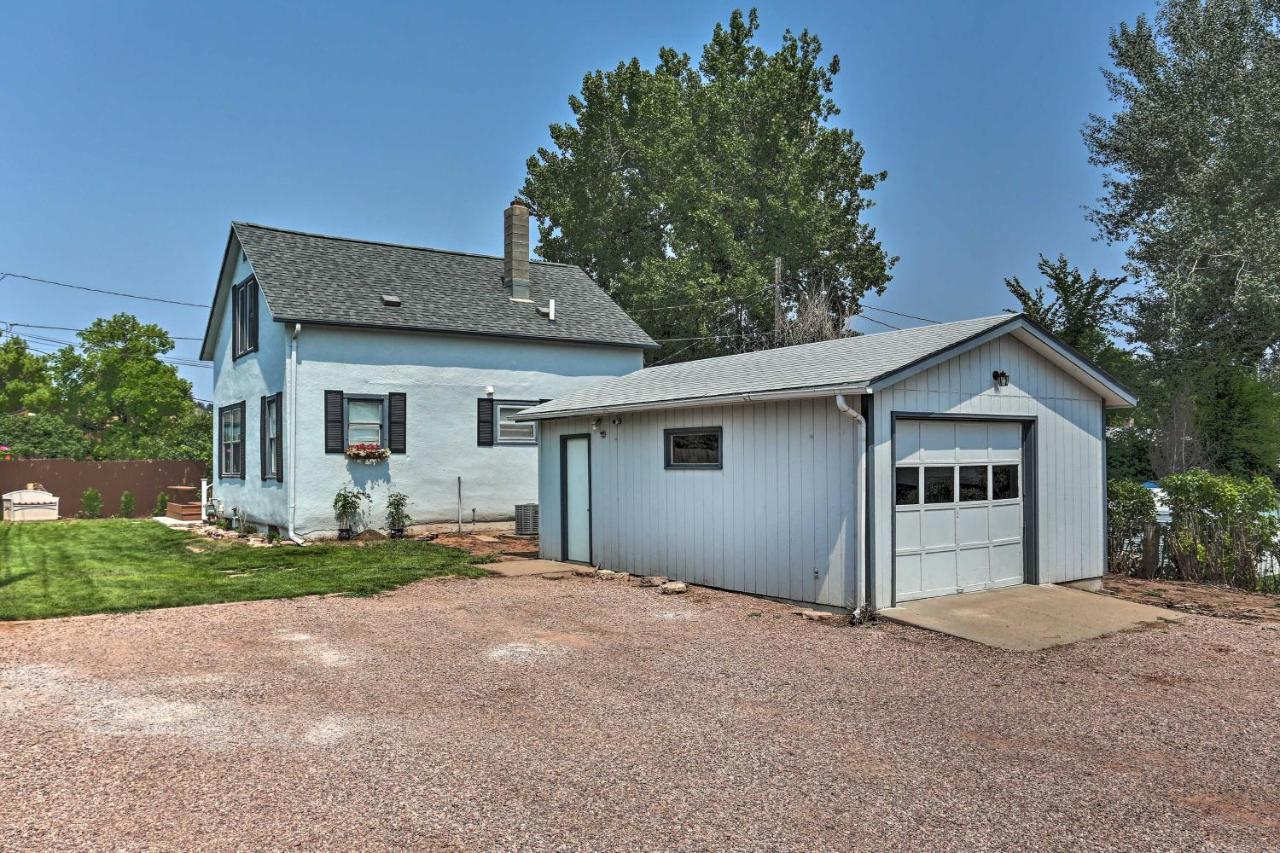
[
  {"x": 397, "y": 518},
  {"x": 348, "y": 506},
  {"x": 1223, "y": 528},
  {"x": 273, "y": 534},
  {"x": 162, "y": 504},
  {"x": 90, "y": 504},
  {"x": 127, "y": 505},
  {"x": 223, "y": 523},
  {"x": 1131, "y": 507},
  {"x": 248, "y": 528}
]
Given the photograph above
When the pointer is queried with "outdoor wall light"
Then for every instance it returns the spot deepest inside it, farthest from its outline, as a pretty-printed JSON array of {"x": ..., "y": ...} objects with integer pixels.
[{"x": 1000, "y": 378}]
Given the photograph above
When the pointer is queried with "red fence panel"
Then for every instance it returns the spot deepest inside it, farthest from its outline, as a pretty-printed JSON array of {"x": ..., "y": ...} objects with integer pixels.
[{"x": 68, "y": 478}]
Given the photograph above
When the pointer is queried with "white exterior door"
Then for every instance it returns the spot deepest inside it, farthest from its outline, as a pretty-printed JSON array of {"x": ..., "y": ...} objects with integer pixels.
[
  {"x": 958, "y": 489},
  {"x": 575, "y": 490}
]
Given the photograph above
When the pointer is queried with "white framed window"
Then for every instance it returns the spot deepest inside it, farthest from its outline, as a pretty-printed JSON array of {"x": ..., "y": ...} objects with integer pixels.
[
  {"x": 511, "y": 431},
  {"x": 366, "y": 417}
]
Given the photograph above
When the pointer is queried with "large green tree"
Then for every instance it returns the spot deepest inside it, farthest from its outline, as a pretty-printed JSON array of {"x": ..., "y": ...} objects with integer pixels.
[
  {"x": 677, "y": 186},
  {"x": 1081, "y": 311},
  {"x": 115, "y": 388},
  {"x": 1193, "y": 186},
  {"x": 22, "y": 374}
]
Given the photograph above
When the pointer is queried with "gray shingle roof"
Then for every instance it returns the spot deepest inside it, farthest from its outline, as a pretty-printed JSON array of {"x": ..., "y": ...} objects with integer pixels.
[
  {"x": 845, "y": 363},
  {"x": 312, "y": 278}
]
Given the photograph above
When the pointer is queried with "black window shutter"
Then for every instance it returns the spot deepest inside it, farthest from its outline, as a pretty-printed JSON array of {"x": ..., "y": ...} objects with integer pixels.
[
  {"x": 333, "y": 442},
  {"x": 236, "y": 321},
  {"x": 484, "y": 422},
  {"x": 263, "y": 470},
  {"x": 396, "y": 422},
  {"x": 222, "y": 448},
  {"x": 251, "y": 299},
  {"x": 280, "y": 436}
]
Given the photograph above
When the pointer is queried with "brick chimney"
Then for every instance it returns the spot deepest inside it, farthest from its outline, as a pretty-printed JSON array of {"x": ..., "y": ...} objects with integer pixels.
[{"x": 515, "y": 249}]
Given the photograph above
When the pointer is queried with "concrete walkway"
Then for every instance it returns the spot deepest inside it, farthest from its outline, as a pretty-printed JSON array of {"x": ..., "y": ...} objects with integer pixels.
[
  {"x": 525, "y": 568},
  {"x": 1027, "y": 618}
]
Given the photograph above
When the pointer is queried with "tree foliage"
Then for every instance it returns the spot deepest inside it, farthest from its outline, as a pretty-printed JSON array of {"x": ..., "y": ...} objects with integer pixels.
[
  {"x": 1081, "y": 311},
  {"x": 679, "y": 185},
  {"x": 1193, "y": 185},
  {"x": 22, "y": 374},
  {"x": 110, "y": 397}
]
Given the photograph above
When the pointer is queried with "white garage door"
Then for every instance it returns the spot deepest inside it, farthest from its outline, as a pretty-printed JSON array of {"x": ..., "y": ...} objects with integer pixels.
[{"x": 958, "y": 507}]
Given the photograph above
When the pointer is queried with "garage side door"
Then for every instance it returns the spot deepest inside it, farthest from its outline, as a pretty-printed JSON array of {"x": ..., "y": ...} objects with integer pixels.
[{"x": 958, "y": 507}]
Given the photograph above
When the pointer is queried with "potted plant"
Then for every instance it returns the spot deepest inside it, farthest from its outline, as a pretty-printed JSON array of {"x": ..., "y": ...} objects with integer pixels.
[
  {"x": 397, "y": 518},
  {"x": 369, "y": 454},
  {"x": 347, "y": 505}
]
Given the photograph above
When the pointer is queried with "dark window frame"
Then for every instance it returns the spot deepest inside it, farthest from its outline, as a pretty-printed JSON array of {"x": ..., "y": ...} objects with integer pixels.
[
  {"x": 897, "y": 485},
  {"x": 236, "y": 456},
  {"x": 244, "y": 317},
  {"x": 668, "y": 434},
  {"x": 498, "y": 440},
  {"x": 1016, "y": 481},
  {"x": 272, "y": 456},
  {"x": 985, "y": 468},
  {"x": 924, "y": 484}
]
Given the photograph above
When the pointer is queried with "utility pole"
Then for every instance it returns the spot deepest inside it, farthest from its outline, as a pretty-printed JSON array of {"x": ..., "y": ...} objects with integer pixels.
[{"x": 777, "y": 300}]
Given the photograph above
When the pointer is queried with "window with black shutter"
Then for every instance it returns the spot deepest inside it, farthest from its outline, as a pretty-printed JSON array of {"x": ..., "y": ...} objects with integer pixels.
[
  {"x": 244, "y": 317},
  {"x": 334, "y": 440},
  {"x": 231, "y": 441},
  {"x": 396, "y": 415},
  {"x": 270, "y": 447},
  {"x": 484, "y": 422}
]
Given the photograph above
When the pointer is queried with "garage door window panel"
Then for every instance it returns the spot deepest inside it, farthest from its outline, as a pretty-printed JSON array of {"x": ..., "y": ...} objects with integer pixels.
[
  {"x": 973, "y": 483},
  {"x": 939, "y": 484},
  {"x": 1004, "y": 482},
  {"x": 907, "y": 492}
]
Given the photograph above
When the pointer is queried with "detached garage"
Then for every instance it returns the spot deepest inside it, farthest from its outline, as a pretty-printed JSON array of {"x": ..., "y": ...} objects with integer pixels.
[{"x": 862, "y": 472}]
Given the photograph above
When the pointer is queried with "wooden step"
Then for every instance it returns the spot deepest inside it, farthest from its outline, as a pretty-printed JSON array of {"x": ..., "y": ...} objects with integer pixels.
[{"x": 184, "y": 512}]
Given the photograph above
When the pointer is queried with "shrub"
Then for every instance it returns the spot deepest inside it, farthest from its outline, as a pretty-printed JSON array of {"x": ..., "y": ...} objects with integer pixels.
[
  {"x": 223, "y": 523},
  {"x": 397, "y": 518},
  {"x": 248, "y": 528},
  {"x": 90, "y": 504},
  {"x": 127, "y": 504},
  {"x": 348, "y": 504},
  {"x": 1223, "y": 528},
  {"x": 162, "y": 504},
  {"x": 273, "y": 534},
  {"x": 1131, "y": 507}
]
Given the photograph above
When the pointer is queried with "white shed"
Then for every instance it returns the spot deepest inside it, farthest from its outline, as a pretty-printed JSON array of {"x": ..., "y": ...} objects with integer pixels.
[
  {"x": 30, "y": 504},
  {"x": 861, "y": 472}
]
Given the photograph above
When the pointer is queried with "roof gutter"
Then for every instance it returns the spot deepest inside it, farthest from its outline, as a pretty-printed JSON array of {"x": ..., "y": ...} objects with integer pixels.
[{"x": 719, "y": 400}]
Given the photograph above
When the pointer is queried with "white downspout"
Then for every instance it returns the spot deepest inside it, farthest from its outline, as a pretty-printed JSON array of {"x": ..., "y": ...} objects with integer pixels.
[
  {"x": 293, "y": 432},
  {"x": 845, "y": 409}
]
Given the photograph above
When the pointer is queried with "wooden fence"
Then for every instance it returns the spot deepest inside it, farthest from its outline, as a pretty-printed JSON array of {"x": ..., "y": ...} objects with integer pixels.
[{"x": 68, "y": 478}]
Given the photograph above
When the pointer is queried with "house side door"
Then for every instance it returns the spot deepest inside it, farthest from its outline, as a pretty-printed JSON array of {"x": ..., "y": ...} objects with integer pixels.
[{"x": 575, "y": 498}]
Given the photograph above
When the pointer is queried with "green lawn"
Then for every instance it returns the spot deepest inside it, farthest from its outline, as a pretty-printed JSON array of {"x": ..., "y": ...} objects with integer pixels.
[{"x": 77, "y": 567}]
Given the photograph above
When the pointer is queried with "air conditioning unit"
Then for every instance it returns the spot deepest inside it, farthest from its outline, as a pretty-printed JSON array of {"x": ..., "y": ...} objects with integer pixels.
[{"x": 526, "y": 519}]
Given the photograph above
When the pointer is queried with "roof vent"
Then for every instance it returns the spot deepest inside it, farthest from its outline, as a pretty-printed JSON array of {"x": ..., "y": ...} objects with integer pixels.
[{"x": 391, "y": 301}]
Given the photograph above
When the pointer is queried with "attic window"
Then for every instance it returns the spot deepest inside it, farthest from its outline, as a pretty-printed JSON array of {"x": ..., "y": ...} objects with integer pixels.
[{"x": 391, "y": 301}]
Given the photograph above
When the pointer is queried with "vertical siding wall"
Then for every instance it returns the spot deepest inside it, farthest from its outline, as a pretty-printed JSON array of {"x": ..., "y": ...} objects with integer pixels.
[
  {"x": 780, "y": 518},
  {"x": 1070, "y": 450}
]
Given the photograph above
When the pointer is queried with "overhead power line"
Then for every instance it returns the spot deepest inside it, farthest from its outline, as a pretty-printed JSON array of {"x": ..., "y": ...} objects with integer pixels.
[
  {"x": 881, "y": 322},
  {"x": 899, "y": 314},
  {"x": 177, "y": 362},
  {"x": 4, "y": 275},
  {"x": 70, "y": 329}
]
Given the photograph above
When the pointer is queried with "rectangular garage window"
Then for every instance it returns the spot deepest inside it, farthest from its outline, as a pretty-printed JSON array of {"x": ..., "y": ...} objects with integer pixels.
[
  {"x": 1004, "y": 482},
  {"x": 908, "y": 487},
  {"x": 939, "y": 485},
  {"x": 695, "y": 447},
  {"x": 973, "y": 482}
]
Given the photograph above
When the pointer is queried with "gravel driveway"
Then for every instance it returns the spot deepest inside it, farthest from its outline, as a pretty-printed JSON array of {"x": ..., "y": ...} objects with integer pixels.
[{"x": 584, "y": 714}]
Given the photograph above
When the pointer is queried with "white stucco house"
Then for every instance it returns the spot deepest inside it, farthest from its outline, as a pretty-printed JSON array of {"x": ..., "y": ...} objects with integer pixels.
[
  {"x": 856, "y": 473},
  {"x": 321, "y": 343}
]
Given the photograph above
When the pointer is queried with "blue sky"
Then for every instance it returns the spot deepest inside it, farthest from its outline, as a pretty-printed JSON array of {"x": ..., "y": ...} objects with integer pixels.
[{"x": 133, "y": 133}]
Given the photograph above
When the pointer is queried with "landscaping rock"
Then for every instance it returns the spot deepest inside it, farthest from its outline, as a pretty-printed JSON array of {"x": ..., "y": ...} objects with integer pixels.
[
  {"x": 585, "y": 571},
  {"x": 821, "y": 616},
  {"x": 673, "y": 588},
  {"x": 652, "y": 580},
  {"x": 610, "y": 575}
]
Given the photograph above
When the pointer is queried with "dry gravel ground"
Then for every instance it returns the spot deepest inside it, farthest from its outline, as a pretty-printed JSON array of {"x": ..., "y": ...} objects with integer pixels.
[{"x": 586, "y": 714}]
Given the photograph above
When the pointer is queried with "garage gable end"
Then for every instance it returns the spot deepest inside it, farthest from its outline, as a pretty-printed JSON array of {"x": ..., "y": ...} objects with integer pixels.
[{"x": 1056, "y": 352}]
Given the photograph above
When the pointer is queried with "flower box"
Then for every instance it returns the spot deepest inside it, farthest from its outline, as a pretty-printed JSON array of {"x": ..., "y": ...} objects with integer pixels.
[{"x": 367, "y": 453}]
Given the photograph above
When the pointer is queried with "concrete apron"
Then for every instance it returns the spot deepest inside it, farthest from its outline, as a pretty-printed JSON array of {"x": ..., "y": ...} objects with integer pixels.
[
  {"x": 526, "y": 568},
  {"x": 1026, "y": 618}
]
